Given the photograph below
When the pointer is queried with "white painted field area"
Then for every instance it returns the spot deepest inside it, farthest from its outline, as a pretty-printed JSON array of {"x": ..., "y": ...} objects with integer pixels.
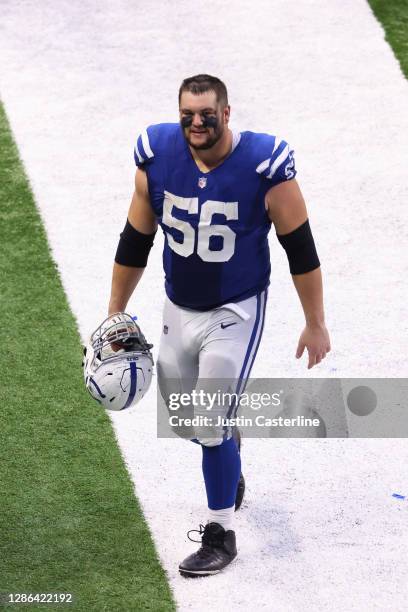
[{"x": 319, "y": 529}]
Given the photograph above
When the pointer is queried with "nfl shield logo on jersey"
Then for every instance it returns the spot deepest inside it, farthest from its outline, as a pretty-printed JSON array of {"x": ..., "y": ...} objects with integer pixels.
[{"x": 202, "y": 182}]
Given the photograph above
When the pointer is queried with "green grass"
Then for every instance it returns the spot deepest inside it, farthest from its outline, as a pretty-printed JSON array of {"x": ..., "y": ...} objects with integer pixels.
[
  {"x": 393, "y": 15},
  {"x": 69, "y": 521}
]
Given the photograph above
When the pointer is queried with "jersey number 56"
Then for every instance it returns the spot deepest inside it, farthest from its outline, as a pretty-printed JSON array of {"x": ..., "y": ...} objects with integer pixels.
[{"x": 204, "y": 230}]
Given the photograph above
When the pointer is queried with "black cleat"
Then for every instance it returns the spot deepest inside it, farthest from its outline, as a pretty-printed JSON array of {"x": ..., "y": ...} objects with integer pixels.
[
  {"x": 240, "y": 492},
  {"x": 218, "y": 549},
  {"x": 236, "y": 434}
]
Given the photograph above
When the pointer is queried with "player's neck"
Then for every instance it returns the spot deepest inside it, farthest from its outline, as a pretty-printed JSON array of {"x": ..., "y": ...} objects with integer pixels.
[{"x": 206, "y": 159}]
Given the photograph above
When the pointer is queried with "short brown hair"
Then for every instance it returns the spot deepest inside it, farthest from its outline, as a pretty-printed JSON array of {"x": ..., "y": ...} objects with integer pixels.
[{"x": 201, "y": 83}]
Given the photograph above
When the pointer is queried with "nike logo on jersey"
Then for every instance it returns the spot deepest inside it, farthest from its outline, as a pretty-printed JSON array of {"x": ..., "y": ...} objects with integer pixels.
[{"x": 225, "y": 325}]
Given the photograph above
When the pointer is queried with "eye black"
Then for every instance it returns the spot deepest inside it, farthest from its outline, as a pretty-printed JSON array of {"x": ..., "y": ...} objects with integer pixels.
[{"x": 186, "y": 121}]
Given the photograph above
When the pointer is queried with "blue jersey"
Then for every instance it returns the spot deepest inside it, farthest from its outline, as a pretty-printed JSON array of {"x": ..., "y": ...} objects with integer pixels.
[{"x": 215, "y": 223}]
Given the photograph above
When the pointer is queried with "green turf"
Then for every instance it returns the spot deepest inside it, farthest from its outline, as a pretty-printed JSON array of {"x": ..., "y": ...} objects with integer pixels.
[
  {"x": 69, "y": 521},
  {"x": 393, "y": 15}
]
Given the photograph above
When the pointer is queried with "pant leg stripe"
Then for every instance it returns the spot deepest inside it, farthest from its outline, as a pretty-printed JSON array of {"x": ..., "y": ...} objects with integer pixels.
[
  {"x": 257, "y": 338},
  {"x": 248, "y": 353},
  {"x": 243, "y": 380}
]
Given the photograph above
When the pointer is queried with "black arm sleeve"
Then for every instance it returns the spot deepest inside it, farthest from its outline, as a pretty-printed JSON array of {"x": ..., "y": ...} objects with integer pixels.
[
  {"x": 134, "y": 247},
  {"x": 300, "y": 249}
]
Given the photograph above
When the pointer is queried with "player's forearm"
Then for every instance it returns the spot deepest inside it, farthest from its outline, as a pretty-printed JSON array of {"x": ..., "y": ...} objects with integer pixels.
[
  {"x": 309, "y": 287},
  {"x": 124, "y": 281}
]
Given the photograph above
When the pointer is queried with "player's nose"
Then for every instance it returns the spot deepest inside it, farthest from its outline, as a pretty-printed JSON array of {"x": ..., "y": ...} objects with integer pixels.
[{"x": 197, "y": 120}]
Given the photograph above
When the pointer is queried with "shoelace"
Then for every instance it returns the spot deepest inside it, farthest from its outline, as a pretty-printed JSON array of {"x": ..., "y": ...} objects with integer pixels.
[
  {"x": 205, "y": 550},
  {"x": 200, "y": 532}
]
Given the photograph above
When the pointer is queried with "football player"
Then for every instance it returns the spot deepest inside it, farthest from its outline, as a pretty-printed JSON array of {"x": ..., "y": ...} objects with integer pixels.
[{"x": 215, "y": 194}]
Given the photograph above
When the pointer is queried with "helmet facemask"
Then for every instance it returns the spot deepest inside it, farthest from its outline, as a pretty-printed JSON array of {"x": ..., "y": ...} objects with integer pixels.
[
  {"x": 118, "y": 363},
  {"x": 117, "y": 334}
]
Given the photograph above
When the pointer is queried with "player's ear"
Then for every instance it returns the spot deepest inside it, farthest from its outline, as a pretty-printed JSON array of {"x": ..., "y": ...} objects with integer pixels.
[{"x": 227, "y": 112}]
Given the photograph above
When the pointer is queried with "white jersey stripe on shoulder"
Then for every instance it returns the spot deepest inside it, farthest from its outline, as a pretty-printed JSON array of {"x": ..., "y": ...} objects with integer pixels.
[
  {"x": 278, "y": 142},
  {"x": 263, "y": 165},
  {"x": 278, "y": 161},
  {"x": 139, "y": 157},
  {"x": 146, "y": 144}
]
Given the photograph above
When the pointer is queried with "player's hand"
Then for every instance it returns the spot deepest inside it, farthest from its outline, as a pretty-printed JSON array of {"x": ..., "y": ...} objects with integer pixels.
[
  {"x": 117, "y": 345},
  {"x": 315, "y": 338}
]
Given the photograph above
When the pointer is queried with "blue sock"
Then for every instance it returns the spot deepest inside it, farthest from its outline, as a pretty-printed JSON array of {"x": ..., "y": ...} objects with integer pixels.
[{"x": 221, "y": 470}]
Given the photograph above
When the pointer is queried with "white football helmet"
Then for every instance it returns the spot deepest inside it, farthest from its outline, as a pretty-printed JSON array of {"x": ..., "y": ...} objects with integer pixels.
[{"x": 118, "y": 364}]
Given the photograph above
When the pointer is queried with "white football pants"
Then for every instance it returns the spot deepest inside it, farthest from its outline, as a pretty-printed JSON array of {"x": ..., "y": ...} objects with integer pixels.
[{"x": 212, "y": 350}]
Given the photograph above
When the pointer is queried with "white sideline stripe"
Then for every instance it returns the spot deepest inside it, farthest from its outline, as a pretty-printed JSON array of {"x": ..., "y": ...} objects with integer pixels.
[
  {"x": 278, "y": 161},
  {"x": 146, "y": 144}
]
